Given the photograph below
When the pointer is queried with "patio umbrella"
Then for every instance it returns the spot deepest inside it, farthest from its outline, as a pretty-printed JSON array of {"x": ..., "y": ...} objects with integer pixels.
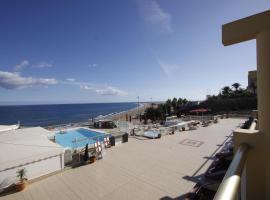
[
  {"x": 86, "y": 154},
  {"x": 199, "y": 110}
]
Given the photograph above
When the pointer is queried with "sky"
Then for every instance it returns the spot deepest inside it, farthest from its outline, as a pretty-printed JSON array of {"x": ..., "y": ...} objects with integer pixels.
[{"x": 85, "y": 51}]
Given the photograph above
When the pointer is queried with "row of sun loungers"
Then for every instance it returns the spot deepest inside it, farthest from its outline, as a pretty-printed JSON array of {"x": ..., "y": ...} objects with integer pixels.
[
  {"x": 251, "y": 123},
  {"x": 151, "y": 131},
  {"x": 208, "y": 186},
  {"x": 158, "y": 130},
  {"x": 94, "y": 151}
]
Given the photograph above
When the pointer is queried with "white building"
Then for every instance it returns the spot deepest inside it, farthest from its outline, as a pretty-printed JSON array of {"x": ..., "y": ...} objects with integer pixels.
[
  {"x": 9, "y": 127},
  {"x": 31, "y": 149}
]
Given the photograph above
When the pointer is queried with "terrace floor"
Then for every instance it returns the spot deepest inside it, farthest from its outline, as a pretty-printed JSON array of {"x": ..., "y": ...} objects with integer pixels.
[{"x": 148, "y": 169}]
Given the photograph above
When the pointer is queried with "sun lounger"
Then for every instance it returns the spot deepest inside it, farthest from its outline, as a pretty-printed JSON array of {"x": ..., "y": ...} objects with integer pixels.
[
  {"x": 107, "y": 142},
  {"x": 192, "y": 127},
  {"x": 152, "y": 134},
  {"x": 205, "y": 124},
  {"x": 201, "y": 191},
  {"x": 216, "y": 176},
  {"x": 98, "y": 150},
  {"x": 218, "y": 168}
]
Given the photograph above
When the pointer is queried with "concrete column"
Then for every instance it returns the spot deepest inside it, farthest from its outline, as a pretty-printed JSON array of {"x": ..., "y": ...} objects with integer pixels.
[
  {"x": 263, "y": 81},
  {"x": 257, "y": 167}
]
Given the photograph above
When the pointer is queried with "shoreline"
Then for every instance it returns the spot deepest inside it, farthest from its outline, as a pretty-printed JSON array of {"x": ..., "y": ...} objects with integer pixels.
[
  {"x": 131, "y": 112},
  {"x": 122, "y": 115},
  {"x": 116, "y": 116}
]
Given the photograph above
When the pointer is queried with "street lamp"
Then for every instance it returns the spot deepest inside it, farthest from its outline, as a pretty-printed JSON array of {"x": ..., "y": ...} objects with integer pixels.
[{"x": 138, "y": 106}]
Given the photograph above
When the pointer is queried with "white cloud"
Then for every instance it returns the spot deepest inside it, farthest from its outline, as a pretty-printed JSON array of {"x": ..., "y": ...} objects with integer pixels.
[
  {"x": 168, "y": 69},
  {"x": 92, "y": 65},
  {"x": 111, "y": 91},
  {"x": 104, "y": 90},
  {"x": 96, "y": 88},
  {"x": 25, "y": 63},
  {"x": 42, "y": 65},
  {"x": 155, "y": 15},
  {"x": 71, "y": 79},
  {"x": 9, "y": 80},
  {"x": 21, "y": 65},
  {"x": 14, "y": 80}
]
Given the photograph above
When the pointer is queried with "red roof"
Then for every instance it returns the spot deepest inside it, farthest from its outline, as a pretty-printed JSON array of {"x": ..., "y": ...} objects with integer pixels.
[{"x": 200, "y": 110}]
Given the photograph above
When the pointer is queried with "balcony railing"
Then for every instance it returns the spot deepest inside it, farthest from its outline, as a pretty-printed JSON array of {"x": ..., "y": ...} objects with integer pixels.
[{"x": 229, "y": 188}]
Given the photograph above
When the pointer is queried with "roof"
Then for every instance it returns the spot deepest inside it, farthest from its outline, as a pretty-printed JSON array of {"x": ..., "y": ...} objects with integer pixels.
[
  {"x": 245, "y": 29},
  {"x": 21, "y": 146},
  {"x": 105, "y": 120},
  {"x": 8, "y": 127}
]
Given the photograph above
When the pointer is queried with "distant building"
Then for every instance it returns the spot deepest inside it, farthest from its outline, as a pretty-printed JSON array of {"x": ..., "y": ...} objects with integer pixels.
[
  {"x": 252, "y": 81},
  {"x": 208, "y": 96},
  {"x": 104, "y": 123}
]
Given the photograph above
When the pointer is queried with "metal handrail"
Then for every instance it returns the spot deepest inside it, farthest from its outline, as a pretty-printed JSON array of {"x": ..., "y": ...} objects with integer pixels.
[
  {"x": 96, "y": 138},
  {"x": 230, "y": 184}
]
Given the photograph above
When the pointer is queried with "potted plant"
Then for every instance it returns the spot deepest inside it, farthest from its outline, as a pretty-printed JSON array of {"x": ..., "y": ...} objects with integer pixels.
[
  {"x": 21, "y": 184},
  {"x": 92, "y": 158}
]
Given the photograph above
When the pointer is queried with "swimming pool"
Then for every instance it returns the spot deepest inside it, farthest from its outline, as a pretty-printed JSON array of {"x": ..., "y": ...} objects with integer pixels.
[{"x": 82, "y": 137}]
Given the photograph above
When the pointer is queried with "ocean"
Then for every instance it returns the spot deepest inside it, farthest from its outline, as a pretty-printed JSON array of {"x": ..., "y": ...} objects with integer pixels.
[{"x": 50, "y": 115}]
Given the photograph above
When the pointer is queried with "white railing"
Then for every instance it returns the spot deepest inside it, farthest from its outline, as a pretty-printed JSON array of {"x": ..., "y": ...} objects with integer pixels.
[{"x": 89, "y": 140}]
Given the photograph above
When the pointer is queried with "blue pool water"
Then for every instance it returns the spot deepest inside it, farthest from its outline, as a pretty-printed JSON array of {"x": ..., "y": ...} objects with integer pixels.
[{"x": 81, "y": 135}]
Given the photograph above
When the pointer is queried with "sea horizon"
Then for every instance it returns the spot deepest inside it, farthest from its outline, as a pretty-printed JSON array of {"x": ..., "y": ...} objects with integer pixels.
[{"x": 66, "y": 103}]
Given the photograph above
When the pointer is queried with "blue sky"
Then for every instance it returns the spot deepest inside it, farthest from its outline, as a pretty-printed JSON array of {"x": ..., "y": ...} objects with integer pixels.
[{"x": 113, "y": 51}]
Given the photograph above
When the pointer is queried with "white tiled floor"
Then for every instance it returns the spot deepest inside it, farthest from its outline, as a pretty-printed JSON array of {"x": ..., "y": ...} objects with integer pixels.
[{"x": 140, "y": 169}]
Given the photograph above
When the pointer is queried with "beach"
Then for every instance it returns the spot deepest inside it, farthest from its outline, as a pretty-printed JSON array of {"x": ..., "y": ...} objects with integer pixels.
[
  {"x": 132, "y": 112},
  {"x": 116, "y": 116}
]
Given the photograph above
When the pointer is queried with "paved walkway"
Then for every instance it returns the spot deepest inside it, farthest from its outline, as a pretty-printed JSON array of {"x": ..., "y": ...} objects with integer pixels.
[{"x": 147, "y": 169}]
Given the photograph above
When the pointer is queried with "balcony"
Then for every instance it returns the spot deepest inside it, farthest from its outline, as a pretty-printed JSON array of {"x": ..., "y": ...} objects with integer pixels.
[{"x": 248, "y": 176}]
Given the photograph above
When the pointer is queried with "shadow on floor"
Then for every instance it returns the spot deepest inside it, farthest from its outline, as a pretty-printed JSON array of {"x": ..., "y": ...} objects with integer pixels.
[
  {"x": 195, "y": 179},
  {"x": 182, "y": 197},
  {"x": 139, "y": 138},
  {"x": 201, "y": 178},
  {"x": 209, "y": 157},
  {"x": 9, "y": 191}
]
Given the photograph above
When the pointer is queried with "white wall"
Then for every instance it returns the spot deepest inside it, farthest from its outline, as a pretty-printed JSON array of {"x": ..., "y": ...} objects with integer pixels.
[{"x": 36, "y": 169}]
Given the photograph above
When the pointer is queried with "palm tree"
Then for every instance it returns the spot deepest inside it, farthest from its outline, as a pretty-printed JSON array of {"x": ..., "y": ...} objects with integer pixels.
[
  {"x": 226, "y": 91},
  {"x": 168, "y": 105},
  {"x": 180, "y": 102},
  {"x": 169, "y": 102},
  {"x": 174, "y": 104},
  {"x": 185, "y": 101},
  {"x": 236, "y": 86}
]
